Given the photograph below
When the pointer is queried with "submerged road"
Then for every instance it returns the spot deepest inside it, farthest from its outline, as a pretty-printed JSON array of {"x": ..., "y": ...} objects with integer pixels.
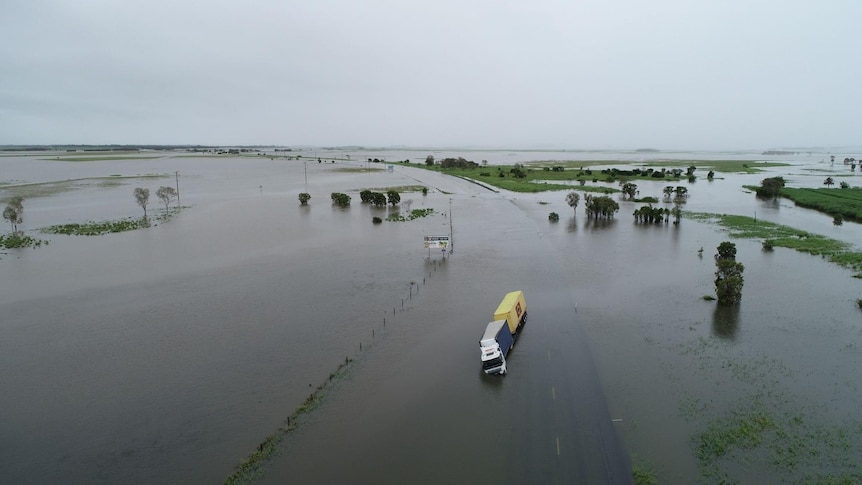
[{"x": 418, "y": 409}]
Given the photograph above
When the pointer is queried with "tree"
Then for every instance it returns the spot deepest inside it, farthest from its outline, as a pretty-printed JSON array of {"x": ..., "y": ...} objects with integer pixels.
[
  {"x": 726, "y": 250},
  {"x": 14, "y": 212},
  {"x": 770, "y": 187},
  {"x": 378, "y": 199},
  {"x": 667, "y": 191},
  {"x": 677, "y": 214},
  {"x": 630, "y": 189},
  {"x": 689, "y": 172},
  {"x": 681, "y": 192},
  {"x": 572, "y": 198},
  {"x": 339, "y": 199},
  {"x": 303, "y": 198},
  {"x": 728, "y": 275},
  {"x": 828, "y": 182},
  {"x": 710, "y": 175},
  {"x": 553, "y": 217},
  {"x": 142, "y": 197},
  {"x": 602, "y": 206},
  {"x": 393, "y": 197},
  {"x": 166, "y": 194},
  {"x": 429, "y": 160}
]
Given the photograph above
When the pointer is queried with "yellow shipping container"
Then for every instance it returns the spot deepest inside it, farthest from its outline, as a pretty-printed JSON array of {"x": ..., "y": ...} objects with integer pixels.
[{"x": 513, "y": 309}]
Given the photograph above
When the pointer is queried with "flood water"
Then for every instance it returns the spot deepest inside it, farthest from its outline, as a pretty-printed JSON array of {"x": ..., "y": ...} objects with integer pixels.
[{"x": 167, "y": 354}]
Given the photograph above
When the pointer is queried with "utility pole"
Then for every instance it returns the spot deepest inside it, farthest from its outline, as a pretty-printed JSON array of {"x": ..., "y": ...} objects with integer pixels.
[
  {"x": 178, "y": 188},
  {"x": 451, "y": 232}
]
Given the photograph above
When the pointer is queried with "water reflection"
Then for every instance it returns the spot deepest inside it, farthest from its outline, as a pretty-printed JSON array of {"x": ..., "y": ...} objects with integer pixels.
[
  {"x": 597, "y": 224},
  {"x": 573, "y": 225},
  {"x": 725, "y": 321}
]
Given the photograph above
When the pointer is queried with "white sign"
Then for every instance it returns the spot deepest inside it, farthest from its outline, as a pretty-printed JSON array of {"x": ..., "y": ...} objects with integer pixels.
[{"x": 436, "y": 242}]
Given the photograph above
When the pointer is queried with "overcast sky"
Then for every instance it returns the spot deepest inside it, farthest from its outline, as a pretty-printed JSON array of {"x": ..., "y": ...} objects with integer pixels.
[{"x": 603, "y": 74}]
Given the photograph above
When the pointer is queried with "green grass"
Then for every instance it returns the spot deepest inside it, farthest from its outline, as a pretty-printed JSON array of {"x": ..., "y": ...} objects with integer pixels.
[
  {"x": 414, "y": 214},
  {"x": 20, "y": 240},
  {"x": 539, "y": 180},
  {"x": 723, "y": 166},
  {"x": 98, "y": 228},
  {"x": 745, "y": 227},
  {"x": 846, "y": 202}
]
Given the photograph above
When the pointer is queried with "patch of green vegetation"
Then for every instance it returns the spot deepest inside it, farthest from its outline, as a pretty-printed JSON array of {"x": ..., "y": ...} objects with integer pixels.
[
  {"x": 105, "y": 158},
  {"x": 834, "y": 201},
  {"x": 97, "y": 228},
  {"x": 778, "y": 235},
  {"x": 532, "y": 180},
  {"x": 642, "y": 473},
  {"x": 414, "y": 214},
  {"x": 20, "y": 240},
  {"x": 251, "y": 467},
  {"x": 724, "y": 166}
]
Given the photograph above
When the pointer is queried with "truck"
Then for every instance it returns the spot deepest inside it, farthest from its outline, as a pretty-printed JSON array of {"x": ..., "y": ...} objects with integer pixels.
[
  {"x": 495, "y": 345},
  {"x": 500, "y": 334},
  {"x": 513, "y": 309}
]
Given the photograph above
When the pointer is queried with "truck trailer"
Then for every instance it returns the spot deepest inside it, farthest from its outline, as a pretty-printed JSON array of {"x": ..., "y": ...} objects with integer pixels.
[
  {"x": 495, "y": 345},
  {"x": 499, "y": 336},
  {"x": 513, "y": 309}
]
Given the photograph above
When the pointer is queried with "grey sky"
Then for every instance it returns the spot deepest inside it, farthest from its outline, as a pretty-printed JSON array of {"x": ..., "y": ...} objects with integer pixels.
[{"x": 670, "y": 74}]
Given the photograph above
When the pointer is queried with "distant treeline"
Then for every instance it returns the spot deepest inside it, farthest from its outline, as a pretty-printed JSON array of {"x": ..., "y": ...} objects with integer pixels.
[{"x": 108, "y": 148}]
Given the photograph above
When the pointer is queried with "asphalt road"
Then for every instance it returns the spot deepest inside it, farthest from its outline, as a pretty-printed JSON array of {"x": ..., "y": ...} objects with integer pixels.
[{"x": 417, "y": 407}]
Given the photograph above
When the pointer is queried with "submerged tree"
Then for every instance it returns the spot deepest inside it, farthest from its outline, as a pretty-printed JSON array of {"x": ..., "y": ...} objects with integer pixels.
[
  {"x": 829, "y": 182},
  {"x": 14, "y": 212},
  {"x": 166, "y": 194},
  {"x": 602, "y": 206},
  {"x": 304, "y": 198},
  {"x": 339, "y": 199},
  {"x": 393, "y": 197},
  {"x": 572, "y": 198},
  {"x": 728, "y": 275},
  {"x": 630, "y": 189},
  {"x": 770, "y": 187},
  {"x": 142, "y": 197}
]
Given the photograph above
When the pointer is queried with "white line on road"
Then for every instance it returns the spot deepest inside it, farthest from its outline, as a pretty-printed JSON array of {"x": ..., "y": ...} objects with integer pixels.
[
  {"x": 558, "y": 445},
  {"x": 553, "y": 393}
]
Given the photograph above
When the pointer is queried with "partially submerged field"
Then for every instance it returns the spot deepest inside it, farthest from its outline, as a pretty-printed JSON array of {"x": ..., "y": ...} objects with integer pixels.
[{"x": 176, "y": 352}]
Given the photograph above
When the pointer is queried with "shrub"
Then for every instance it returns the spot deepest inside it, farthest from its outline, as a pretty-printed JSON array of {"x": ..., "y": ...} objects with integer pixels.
[
  {"x": 553, "y": 217},
  {"x": 376, "y": 220},
  {"x": 303, "y": 198}
]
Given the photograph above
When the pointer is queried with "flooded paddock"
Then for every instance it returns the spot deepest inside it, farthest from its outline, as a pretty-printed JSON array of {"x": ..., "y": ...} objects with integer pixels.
[{"x": 167, "y": 354}]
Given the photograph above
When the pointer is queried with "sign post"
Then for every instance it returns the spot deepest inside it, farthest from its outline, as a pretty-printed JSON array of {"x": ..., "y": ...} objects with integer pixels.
[{"x": 437, "y": 242}]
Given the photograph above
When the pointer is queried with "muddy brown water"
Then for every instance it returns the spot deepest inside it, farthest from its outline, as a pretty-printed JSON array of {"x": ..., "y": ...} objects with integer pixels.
[{"x": 165, "y": 355}]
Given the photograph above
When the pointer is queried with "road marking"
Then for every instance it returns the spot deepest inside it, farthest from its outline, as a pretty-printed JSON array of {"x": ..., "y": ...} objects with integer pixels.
[
  {"x": 553, "y": 393},
  {"x": 549, "y": 355},
  {"x": 558, "y": 445}
]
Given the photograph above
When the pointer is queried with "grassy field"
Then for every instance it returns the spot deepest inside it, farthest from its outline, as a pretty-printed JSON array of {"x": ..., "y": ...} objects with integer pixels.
[
  {"x": 723, "y": 166},
  {"x": 537, "y": 179},
  {"x": 541, "y": 176},
  {"x": 778, "y": 235},
  {"x": 844, "y": 202}
]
